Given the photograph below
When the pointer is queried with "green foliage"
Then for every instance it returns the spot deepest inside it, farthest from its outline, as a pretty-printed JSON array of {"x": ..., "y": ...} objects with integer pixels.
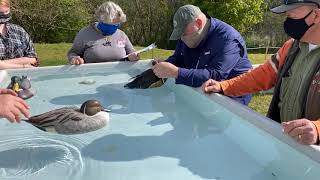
[
  {"x": 50, "y": 20},
  {"x": 54, "y": 21},
  {"x": 148, "y": 21},
  {"x": 241, "y": 14},
  {"x": 271, "y": 28}
]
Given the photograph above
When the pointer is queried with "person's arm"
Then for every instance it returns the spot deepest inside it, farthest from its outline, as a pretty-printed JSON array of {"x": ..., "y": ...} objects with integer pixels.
[
  {"x": 8, "y": 65},
  {"x": 78, "y": 48},
  {"x": 22, "y": 61},
  {"x": 261, "y": 78},
  {"x": 130, "y": 51},
  {"x": 30, "y": 56},
  {"x": 177, "y": 57},
  {"x": 219, "y": 68},
  {"x": 128, "y": 46},
  {"x": 30, "y": 52}
]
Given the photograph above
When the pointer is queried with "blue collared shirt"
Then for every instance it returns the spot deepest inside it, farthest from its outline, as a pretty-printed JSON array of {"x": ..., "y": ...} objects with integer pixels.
[{"x": 220, "y": 56}]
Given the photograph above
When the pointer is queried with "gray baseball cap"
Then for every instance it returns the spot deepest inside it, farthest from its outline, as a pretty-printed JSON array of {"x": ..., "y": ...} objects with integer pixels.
[
  {"x": 184, "y": 15},
  {"x": 288, "y": 5}
]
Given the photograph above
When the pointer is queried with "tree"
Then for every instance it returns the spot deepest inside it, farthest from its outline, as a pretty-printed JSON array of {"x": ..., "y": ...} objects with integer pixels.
[
  {"x": 148, "y": 21},
  {"x": 271, "y": 27},
  {"x": 50, "y": 20},
  {"x": 241, "y": 14}
]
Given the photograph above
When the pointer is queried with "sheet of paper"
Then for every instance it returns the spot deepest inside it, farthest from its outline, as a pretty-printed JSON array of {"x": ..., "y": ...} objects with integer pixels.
[{"x": 150, "y": 47}]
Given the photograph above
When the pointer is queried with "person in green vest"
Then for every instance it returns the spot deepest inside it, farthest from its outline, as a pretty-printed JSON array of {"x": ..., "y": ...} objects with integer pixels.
[{"x": 294, "y": 72}]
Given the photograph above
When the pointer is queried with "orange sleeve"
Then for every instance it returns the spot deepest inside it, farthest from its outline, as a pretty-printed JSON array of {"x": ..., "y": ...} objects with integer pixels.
[
  {"x": 317, "y": 124},
  {"x": 261, "y": 78}
]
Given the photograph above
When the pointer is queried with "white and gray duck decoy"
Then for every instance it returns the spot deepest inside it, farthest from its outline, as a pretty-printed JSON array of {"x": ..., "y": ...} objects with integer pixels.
[
  {"x": 72, "y": 120},
  {"x": 22, "y": 86}
]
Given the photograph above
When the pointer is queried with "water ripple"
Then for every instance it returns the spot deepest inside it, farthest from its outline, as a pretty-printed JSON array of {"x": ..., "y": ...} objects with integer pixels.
[{"x": 21, "y": 157}]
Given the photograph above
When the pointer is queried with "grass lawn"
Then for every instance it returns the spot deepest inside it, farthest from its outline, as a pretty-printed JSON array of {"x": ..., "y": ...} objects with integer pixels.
[{"x": 55, "y": 54}]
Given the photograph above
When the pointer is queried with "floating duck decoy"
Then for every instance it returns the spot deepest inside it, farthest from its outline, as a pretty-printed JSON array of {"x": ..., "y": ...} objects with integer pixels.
[
  {"x": 72, "y": 120},
  {"x": 21, "y": 86},
  {"x": 145, "y": 80}
]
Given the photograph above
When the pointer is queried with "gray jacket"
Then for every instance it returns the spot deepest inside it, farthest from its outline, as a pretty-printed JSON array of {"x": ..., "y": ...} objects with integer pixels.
[{"x": 93, "y": 47}]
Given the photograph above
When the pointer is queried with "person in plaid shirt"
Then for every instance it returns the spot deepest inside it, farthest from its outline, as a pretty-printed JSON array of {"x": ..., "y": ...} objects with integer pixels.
[
  {"x": 16, "y": 51},
  {"x": 16, "y": 47}
]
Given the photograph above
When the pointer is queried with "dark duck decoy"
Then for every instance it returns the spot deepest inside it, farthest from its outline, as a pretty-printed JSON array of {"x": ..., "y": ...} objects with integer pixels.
[
  {"x": 22, "y": 86},
  {"x": 72, "y": 120},
  {"x": 145, "y": 80}
]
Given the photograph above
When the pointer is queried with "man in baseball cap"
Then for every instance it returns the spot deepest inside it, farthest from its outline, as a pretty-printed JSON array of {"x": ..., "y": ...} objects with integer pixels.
[
  {"x": 206, "y": 48},
  {"x": 293, "y": 26},
  {"x": 294, "y": 72},
  {"x": 293, "y": 4}
]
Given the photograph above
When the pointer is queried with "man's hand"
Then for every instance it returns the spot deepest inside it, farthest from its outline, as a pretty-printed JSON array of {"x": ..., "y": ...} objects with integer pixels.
[
  {"x": 8, "y": 91},
  {"x": 158, "y": 60},
  {"x": 133, "y": 56},
  {"x": 302, "y": 130},
  {"x": 211, "y": 86},
  {"x": 77, "y": 60},
  {"x": 32, "y": 61},
  {"x": 165, "y": 70},
  {"x": 11, "y": 107},
  {"x": 35, "y": 63}
]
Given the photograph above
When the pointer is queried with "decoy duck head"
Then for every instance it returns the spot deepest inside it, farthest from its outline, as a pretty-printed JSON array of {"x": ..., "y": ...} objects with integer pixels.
[
  {"x": 92, "y": 107},
  {"x": 15, "y": 79}
]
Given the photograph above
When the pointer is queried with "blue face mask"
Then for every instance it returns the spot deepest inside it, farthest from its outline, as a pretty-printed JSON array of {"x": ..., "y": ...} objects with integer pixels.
[{"x": 108, "y": 29}]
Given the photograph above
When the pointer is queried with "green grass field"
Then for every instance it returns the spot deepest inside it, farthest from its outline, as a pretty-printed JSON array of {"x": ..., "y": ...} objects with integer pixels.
[{"x": 55, "y": 54}]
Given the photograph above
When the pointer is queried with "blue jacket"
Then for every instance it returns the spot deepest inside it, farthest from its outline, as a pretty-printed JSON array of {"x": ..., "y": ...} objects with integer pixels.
[{"x": 220, "y": 56}]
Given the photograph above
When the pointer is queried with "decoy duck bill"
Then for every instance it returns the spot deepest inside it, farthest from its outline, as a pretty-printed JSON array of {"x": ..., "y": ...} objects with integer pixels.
[{"x": 106, "y": 110}]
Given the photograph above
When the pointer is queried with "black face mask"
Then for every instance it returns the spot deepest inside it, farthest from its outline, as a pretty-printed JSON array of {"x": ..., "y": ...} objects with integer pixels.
[
  {"x": 4, "y": 18},
  {"x": 296, "y": 28}
]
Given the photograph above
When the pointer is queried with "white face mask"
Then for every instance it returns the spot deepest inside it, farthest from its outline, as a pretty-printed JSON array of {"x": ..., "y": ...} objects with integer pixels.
[{"x": 193, "y": 40}]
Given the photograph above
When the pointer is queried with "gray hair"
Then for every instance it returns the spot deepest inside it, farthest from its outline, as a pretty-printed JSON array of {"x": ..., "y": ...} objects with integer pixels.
[{"x": 109, "y": 11}]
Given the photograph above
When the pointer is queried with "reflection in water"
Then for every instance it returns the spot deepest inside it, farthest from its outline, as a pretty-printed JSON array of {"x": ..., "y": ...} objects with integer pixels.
[{"x": 20, "y": 157}]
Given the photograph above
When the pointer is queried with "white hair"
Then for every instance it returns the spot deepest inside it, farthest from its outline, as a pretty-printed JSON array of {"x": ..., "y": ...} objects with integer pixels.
[{"x": 109, "y": 11}]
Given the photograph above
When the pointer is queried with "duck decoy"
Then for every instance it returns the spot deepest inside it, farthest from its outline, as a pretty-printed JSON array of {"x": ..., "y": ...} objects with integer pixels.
[
  {"x": 22, "y": 86},
  {"x": 71, "y": 120}
]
